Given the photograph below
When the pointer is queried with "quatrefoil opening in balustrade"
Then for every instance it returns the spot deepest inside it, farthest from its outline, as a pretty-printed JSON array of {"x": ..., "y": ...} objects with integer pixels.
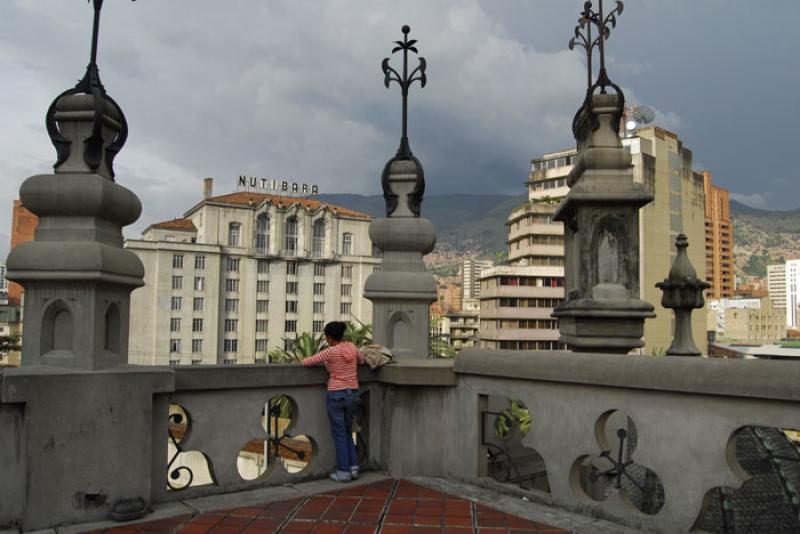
[
  {"x": 278, "y": 446},
  {"x": 184, "y": 468},
  {"x": 504, "y": 424},
  {"x": 595, "y": 476},
  {"x": 767, "y": 460}
]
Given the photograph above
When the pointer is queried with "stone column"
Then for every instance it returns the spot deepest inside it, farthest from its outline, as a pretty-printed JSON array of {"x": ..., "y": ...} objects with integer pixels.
[
  {"x": 602, "y": 311},
  {"x": 77, "y": 276},
  {"x": 402, "y": 291}
]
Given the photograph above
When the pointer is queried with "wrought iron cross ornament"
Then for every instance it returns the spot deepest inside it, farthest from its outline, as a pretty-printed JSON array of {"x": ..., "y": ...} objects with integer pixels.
[
  {"x": 583, "y": 38},
  {"x": 405, "y": 81}
]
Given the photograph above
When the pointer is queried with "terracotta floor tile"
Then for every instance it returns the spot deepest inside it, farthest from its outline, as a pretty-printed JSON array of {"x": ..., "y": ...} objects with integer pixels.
[
  {"x": 264, "y": 523},
  {"x": 329, "y": 528},
  {"x": 395, "y": 530},
  {"x": 195, "y": 528},
  {"x": 226, "y": 529},
  {"x": 360, "y": 530},
  {"x": 450, "y": 521}
]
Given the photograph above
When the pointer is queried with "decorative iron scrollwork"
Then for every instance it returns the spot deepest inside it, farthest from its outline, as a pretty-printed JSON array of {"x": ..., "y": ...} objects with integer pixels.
[{"x": 176, "y": 421}]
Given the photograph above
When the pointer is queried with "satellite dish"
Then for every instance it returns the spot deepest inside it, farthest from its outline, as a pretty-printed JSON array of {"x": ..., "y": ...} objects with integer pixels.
[
  {"x": 631, "y": 125},
  {"x": 645, "y": 114}
]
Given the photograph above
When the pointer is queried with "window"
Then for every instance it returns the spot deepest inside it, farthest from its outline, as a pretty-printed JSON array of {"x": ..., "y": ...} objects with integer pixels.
[
  {"x": 347, "y": 289},
  {"x": 231, "y": 345},
  {"x": 318, "y": 245},
  {"x": 169, "y": 237},
  {"x": 290, "y": 326},
  {"x": 234, "y": 234},
  {"x": 319, "y": 307},
  {"x": 232, "y": 265},
  {"x": 262, "y": 286},
  {"x": 291, "y": 236},
  {"x": 177, "y": 261},
  {"x": 318, "y": 326},
  {"x": 261, "y": 325},
  {"x": 262, "y": 306},
  {"x": 261, "y": 345},
  {"x": 175, "y": 324},
  {"x": 199, "y": 283},
  {"x": 291, "y": 306},
  {"x": 177, "y": 303},
  {"x": 345, "y": 308},
  {"x": 347, "y": 271},
  {"x": 177, "y": 282},
  {"x": 199, "y": 262},
  {"x": 197, "y": 304},
  {"x": 174, "y": 346},
  {"x": 197, "y": 346},
  {"x": 376, "y": 269},
  {"x": 232, "y": 305},
  {"x": 291, "y": 267},
  {"x": 263, "y": 267},
  {"x": 291, "y": 288},
  {"x": 319, "y": 289},
  {"x": 288, "y": 344},
  {"x": 231, "y": 284},
  {"x": 262, "y": 234},
  {"x": 197, "y": 325},
  {"x": 347, "y": 244},
  {"x": 319, "y": 269},
  {"x": 231, "y": 325}
]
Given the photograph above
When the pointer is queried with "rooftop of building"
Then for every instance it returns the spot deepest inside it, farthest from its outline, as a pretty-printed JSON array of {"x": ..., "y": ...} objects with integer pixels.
[
  {"x": 183, "y": 225},
  {"x": 251, "y": 199}
]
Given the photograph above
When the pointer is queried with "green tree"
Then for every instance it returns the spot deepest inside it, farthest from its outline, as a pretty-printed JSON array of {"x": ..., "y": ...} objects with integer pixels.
[{"x": 516, "y": 414}]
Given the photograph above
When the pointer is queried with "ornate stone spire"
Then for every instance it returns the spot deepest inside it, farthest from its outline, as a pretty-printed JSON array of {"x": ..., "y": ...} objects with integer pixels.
[
  {"x": 683, "y": 292},
  {"x": 76, "y": 275},
  {"x": 402, "y": 291},
  {"x": 602, "y": 311}
]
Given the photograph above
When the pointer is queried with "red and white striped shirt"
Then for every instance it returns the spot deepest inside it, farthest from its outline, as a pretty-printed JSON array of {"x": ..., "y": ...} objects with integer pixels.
[{"x": 341, "y": 361}]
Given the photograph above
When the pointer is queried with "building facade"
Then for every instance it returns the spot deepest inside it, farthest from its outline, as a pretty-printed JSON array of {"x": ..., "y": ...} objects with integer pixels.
[
  {"x": 664, "y": 165},
  {"x": 753, "y": 320},
  {"x": 3, "y": 285},
  {"x": 23, "y": 228},
  {"x": 471, "y": 273},
  {"x": 793, "y": 293},
  {"x": 719, "y": 240},
  {"x": 776, "y": 284},
  {"x": 241, "y": 274}
]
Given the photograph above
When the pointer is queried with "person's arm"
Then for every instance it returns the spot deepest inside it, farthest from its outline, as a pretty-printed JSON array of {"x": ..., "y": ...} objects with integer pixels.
[
  {"x": 360, "y": 358},
  {"x": 320, "y": 358}
]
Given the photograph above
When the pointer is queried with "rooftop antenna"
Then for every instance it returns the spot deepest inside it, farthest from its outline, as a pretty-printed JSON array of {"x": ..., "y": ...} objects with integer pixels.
[{"x": 637, "y": 116}]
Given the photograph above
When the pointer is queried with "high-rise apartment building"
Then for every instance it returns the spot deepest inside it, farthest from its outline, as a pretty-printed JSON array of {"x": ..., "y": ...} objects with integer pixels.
[
  {"x": 776, "y": 284},
  {"x": 664, "y": 165},
  {"x": 471, "y": 272},
  {"x": 792, "y": 293},
  {"x": 243, "y": 273},
  {"x": 746, "y": 320},
  {"x": 719, "y": 240},
  {"x": 23, "y": 227}
]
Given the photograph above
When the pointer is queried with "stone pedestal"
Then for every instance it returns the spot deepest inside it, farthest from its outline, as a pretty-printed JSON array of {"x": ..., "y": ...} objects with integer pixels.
[
  {"x": 602, "y": 311},
  {"x": 402, "y": 292},
  {"x": 77, "y": 276}
]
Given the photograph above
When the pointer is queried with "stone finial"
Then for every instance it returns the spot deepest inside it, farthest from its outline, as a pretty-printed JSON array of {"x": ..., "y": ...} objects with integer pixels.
[
  {"x": 402, "y": 291},
  {"x": 683, "y": 292},
  {"x": 76, "y": 274}
]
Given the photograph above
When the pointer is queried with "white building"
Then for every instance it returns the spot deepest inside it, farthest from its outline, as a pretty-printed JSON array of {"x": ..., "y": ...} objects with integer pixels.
[
  {"x": 776, "y": 283},
  {"x": 3, "y": 284},
  {"x": 792, "y": 292},
  {"x": 243, "y": 273},
  {"x": 471, "y": 273}
]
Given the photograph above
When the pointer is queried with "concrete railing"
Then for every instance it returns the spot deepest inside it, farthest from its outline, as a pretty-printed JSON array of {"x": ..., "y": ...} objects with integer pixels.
[
  {"x": 681, "y": 425},
  {"x": 74, "y": 443}
]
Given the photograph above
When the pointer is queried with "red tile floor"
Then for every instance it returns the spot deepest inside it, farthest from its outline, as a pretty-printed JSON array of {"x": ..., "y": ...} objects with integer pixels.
[{"x": 385, "y": 507}]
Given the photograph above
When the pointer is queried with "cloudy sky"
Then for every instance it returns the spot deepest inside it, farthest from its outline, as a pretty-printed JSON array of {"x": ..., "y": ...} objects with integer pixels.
[{"x": 288, "y": 88}]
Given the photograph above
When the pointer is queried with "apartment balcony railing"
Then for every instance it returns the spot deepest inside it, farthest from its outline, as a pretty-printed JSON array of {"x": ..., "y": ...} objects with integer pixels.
[{"x": 665, "y": 444}]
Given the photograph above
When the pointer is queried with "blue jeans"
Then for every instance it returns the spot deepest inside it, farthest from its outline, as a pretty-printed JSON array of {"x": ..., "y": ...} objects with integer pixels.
[{"x": 342, "y": 406}]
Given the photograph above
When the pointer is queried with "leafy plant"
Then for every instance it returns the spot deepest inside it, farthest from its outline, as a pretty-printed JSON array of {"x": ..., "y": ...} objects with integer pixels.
[
  {"x": 440, "y": 347},
  {"x": 358, "y": 334},
  {"x": 516, "y": 414},
  {"x": 305, "y": 345}
]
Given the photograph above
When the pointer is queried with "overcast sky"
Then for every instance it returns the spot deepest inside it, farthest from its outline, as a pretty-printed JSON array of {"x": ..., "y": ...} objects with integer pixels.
[{"x": 293, "y": 89}]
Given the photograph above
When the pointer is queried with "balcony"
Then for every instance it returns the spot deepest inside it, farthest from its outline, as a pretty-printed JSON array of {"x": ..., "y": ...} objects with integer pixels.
[{"x": 678, "y": 423}]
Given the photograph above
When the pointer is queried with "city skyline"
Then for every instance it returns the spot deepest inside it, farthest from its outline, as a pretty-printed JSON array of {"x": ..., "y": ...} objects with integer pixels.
[{"x": 266, "y": 90}]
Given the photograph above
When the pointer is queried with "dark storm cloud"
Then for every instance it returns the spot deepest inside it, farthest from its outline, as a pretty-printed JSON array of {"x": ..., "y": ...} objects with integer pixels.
[{"x": 294, "y": 89}]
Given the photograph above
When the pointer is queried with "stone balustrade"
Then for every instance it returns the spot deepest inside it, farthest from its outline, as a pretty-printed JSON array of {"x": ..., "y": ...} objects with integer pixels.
[{"x": 74, "y": 443}]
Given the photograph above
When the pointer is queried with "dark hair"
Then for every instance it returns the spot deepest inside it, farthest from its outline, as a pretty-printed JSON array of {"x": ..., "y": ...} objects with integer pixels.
[{"x": 335, "y": 329}]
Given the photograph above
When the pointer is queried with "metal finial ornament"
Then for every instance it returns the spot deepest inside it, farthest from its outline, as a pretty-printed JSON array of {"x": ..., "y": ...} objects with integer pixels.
[
  {"x": 90, "y": 84},
  {"x": 583, "y": 38},
  {"x": 405, "y": 81}
]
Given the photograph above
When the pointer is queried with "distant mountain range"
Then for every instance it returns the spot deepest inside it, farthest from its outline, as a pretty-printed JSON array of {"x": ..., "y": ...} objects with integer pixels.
[
  {"x": 464, "y": 223},
  {"x": 475, "y": 224}
]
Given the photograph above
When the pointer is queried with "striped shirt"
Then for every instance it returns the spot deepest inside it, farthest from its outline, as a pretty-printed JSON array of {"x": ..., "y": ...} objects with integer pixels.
[{"x": 341, "y": 361}]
